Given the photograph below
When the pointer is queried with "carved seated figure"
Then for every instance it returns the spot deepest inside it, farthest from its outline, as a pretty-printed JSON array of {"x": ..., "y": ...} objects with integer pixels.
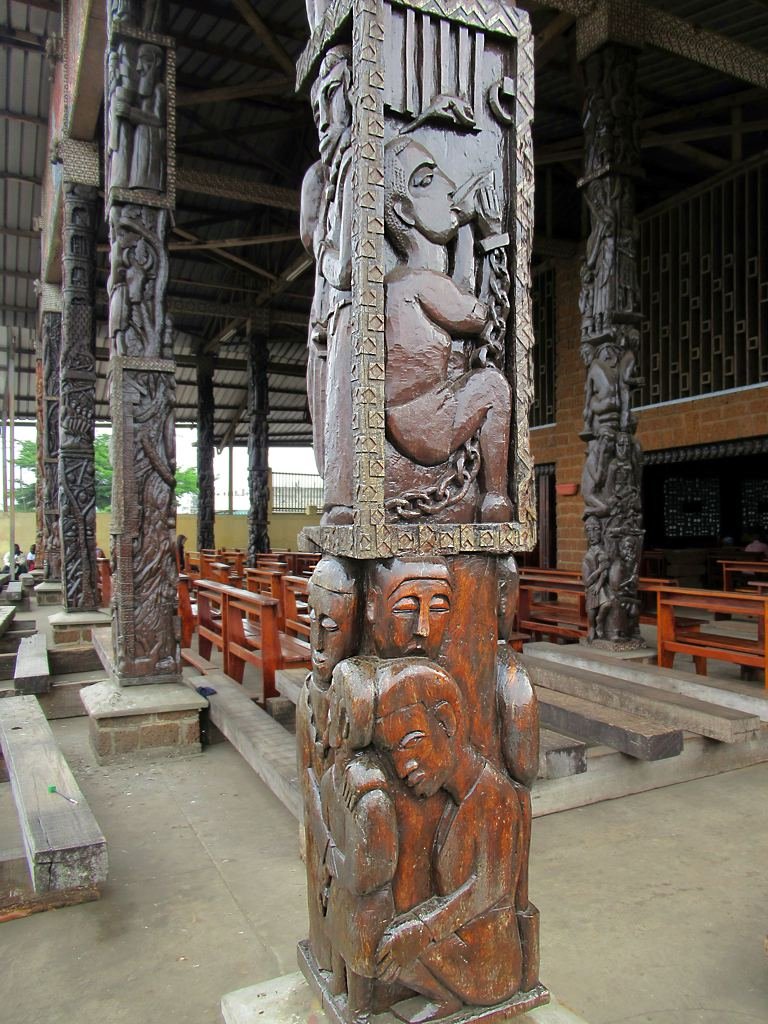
[
  {"x": 429, "y": 414},
  {"x": 462, "y": 945}
]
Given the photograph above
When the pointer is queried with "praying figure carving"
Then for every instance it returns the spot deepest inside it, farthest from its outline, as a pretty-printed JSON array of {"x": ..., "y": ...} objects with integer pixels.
[
  {"x": 427, "y": 309},
  {"x": 136, "y": 146}
]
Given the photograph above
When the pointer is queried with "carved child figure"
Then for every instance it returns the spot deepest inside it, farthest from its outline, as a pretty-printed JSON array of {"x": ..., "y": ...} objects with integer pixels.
[{"x": 425, "y": 310}]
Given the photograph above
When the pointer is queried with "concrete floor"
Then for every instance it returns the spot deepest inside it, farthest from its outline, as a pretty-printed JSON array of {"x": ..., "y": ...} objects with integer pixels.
[{"x": 653, "y": 907}]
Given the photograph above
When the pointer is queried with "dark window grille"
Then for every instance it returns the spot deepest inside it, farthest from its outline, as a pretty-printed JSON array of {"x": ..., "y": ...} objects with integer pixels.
[
  {"x": 295, "y": 492},
  {"x": 704, "y": 281},
  {"x": 692, "y": 507},
  {"x": 544, "y": 328}
]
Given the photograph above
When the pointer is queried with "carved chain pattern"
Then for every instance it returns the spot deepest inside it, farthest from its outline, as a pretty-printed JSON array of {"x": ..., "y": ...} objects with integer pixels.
[
  {"x": 449, "y": 489},
  {"x": 494, "y": 332}
]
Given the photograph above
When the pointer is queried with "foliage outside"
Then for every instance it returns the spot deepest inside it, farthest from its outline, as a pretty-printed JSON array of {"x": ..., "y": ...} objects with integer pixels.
[{"x": 26, "y": 463}]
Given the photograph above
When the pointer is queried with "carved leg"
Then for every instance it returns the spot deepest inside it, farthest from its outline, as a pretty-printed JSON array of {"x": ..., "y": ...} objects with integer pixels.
[{"x": 441, "y": 1001}]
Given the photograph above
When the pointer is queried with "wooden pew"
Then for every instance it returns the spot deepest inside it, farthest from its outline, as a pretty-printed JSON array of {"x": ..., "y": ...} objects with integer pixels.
[
  {"x": 211, "y": 618},
  {"x": 267, "y": 582},
  {"x": 732, "y": 568},
  {"x": 678, "y": 635},
  {"x": 565, "y": 616},
  {"x": 295, "y": 606}
]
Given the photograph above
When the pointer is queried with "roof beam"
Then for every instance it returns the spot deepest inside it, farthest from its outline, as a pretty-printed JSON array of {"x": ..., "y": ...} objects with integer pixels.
[
  {"x": 224, "y": 186},
  {"x": 222, "y": 254},
  {"x": 265, "y": 34},
  {"x": 277, "y": 86},
  {"x": 11, "y": 115}
]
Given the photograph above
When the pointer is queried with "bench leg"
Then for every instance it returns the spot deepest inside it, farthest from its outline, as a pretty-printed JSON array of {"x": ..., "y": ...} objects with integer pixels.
[
  {"x": 666, "y": 659},
  {"x": 701, "y": 664},
  {"x": 204, "y": 646},
  {"x": 235, "y": 668},
  {"x": 268, "y": 678}
]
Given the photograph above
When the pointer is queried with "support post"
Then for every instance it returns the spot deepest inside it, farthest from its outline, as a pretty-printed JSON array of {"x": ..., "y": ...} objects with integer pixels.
[
  {"x": 206, "y": 501},
  {"x": 417, "y": 729},
  {"x": 139, "y": 196},
  {"x": 50, "y": 330},
  {"x": 77, "y": 482},
  {"x": 610, "y": 340},
  {"x": 258, "y": 448},
  {"x": 40, "y": 467}
]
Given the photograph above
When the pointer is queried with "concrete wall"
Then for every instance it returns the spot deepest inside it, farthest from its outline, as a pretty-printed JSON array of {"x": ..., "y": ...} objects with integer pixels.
[
  {"x": 741, "y": 413},
  {"x": 230, "y": 531}
]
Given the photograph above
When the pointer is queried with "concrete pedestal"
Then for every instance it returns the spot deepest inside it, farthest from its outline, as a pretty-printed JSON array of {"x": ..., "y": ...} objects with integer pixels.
[
  {"x": 77, "y": 627},
  {"x": 142, "y": 722},
  {"x": 49, "y": 592},
  {"x": 288, "y": 1000}
]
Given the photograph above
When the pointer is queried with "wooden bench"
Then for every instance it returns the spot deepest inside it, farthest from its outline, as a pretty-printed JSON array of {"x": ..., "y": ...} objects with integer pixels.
[
  {"x": 295, "y": 591},
  {"x": 32, "y": 673},
  {"x": 565, "y": 617},
  {"x": 733, "y": 568},
  {"x": 681, "y": 636},
  {"x": 267, "y": 582},
  {"x": 187, "y": 614},
  {"x": 65, "y": 850}
]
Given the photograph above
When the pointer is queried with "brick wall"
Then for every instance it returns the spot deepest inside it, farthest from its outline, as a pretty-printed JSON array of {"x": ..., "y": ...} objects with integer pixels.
[{"x": 699, "y": 421}]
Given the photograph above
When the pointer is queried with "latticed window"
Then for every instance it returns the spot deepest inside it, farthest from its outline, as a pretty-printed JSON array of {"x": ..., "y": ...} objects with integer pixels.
[
  {"x": 704, "y": 279},
  {"x": 544, "y": 321}
]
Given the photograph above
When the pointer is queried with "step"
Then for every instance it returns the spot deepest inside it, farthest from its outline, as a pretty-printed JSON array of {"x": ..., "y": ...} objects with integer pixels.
[
  {"x": 64, "y": 847},
  {"x": 629, "y": 733},
  {"x": 733, "y": 694},
  {"x": 266, "y": 746},
  {"x": 672, "y": 709},
  {"x": 32, "y": 673},
  {"x": 7, "y": 615},
  {"x": 560, "y": 756}
]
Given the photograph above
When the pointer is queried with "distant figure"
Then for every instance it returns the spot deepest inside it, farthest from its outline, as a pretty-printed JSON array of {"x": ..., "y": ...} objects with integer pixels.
[
  {"x": 181, "y": 558},
  {"x": 31, "y": 558},
  {"x": 18, "y": 561},
  {"x": 758, "y": 545}
]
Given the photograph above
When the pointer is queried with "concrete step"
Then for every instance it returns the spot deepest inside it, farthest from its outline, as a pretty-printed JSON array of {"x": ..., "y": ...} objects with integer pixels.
[
  {"x": 731, "y": 694},
  {"x": 672, "y": 709},
  {"x": 560, "y": 756}
]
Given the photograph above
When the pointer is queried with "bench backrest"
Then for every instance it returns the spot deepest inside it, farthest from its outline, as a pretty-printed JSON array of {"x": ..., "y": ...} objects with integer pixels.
[{"x": 295, "y": 598}]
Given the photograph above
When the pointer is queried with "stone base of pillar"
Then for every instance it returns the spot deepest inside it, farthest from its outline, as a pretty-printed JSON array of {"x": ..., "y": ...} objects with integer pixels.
[
  {"x": 287, "y": 999},
  {"x": 142, "y": 723},
  {"x": 49, "y": 592},
  {"x": 643, "y": 654},
  {"x": 76, "y": 627}
]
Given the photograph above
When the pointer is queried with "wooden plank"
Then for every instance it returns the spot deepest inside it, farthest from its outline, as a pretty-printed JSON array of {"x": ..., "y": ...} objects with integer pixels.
[
  {"x": 672, "y": 709},
  {"x": 64, "y": 846},
  {"x": 32, "y": 673},
  {"x": 632, "y": 734},
  {"x": 560, "y": 756},
  {"x": 14, "y": 592},
  {"x": 267, "y": 747},
  {"x": 66, "y": 660}
]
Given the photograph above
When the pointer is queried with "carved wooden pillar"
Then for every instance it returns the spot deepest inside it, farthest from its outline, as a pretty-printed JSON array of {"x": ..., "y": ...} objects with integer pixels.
[
  {"x": 206, "y": 501},
  {"x": 610, "y": 309},
  {"x": 77, "y": 484},
  {"x": 50, "y": 327},
  {"x": 417, "y": 728},
  {"x": 40, "y": 467},
  {"x": 140, "y": 193},
  {"x": 258, "y": 448}
]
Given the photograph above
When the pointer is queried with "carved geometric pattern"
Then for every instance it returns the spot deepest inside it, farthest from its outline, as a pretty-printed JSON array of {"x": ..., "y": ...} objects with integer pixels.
[
  {"x": 50, "y": 323},
  {"x": 544, "y": 327},
  {"x": 705, "y": 303}
]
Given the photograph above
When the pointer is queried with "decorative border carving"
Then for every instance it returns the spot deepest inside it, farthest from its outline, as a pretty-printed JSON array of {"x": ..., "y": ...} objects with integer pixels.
[
  {"x": 700, "y": 452},
  {"x": 81, "y": 162},
  {"x": 323, "y": 35}
]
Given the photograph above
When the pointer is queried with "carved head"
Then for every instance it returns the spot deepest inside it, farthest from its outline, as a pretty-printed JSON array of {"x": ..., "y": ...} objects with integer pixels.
[
  {"x": 628, "y": 548},
  {"x": 418, "y": 196},
  {"x": 421, "y": 724},
  {"x": 148, "y": 65},
  {"x": 593, "y": 530},
  {"x": 509, "y": 586},
  {"x": 333, "y": 616},
  {"x": 330, "y": 100},
  {"x": 623, "y": 445},
  {"x": 351, "y": 704},
  {"x": 408, "y": 606}
]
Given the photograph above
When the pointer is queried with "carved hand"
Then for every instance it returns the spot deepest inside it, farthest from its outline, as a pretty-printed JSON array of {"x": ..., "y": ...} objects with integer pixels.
[
  {"x": 402, "y": 943},
  {"x": 488, "y": 211}
]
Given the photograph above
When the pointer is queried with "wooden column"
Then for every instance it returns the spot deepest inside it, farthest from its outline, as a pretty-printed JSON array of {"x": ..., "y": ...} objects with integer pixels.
[
  {"x": 610, "y": 309},
  {"x": 50, "y": 330},
  {"x": 258, "y": 448},
  {"x": 77, "y": 484},
  {"x": 417, "y": 729},
  {"x": 206, "y": 502},
  {"x": 40, "y": 467},
  {"x": 140, "y": 192}
]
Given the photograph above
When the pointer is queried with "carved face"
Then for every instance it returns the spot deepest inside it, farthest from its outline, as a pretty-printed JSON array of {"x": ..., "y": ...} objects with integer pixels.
[
  {"x": 409, "y": 613},
  {"x": 622, "y": 446},
  {"x": 332, "y": 631},
  {"x": 332, "y": 109},
  {"x": 419, "y": 745},
  {"x": 593, "y": 531},
  {"x": 147, "y": 63},
  {"x": 426, "y": 203}
]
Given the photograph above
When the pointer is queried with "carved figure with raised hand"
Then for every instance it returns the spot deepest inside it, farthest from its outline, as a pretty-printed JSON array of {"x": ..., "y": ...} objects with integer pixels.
[
  {"x": 595, "y": 568},
  {"x": 335, "y": 635},
  {"x": 361, "y": 838},
  {"x": 425, "y": 309},
  {"x": 461, "y": 946},
  {"x": 326, "y": 231}
]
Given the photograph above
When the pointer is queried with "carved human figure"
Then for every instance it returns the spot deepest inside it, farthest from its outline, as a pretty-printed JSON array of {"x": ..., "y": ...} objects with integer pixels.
[
  {"x": 518, "y": 717},
  {"x": 359, "y": 834},
  {"x": 425, "y": 310},
  {"x": 622, "y": 484},
  {"x": 121, "y": 94},
  {"x": 622, "y": 582},
  {"x": 606, "y": 400},
  {"x": 600, "y": 253},
  {"x": 408, "y": 606},
  {"x": 137, "y": 139},
  {"x": 335, "y": 634},
  {"x": 595, "y": 569},
  {"x": 449, "y": 948},
  {"x": 326, "y": 230}
]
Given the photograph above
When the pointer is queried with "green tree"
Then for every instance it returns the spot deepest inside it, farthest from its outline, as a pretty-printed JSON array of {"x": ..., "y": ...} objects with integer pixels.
[{"x": 26, "y": 459}]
